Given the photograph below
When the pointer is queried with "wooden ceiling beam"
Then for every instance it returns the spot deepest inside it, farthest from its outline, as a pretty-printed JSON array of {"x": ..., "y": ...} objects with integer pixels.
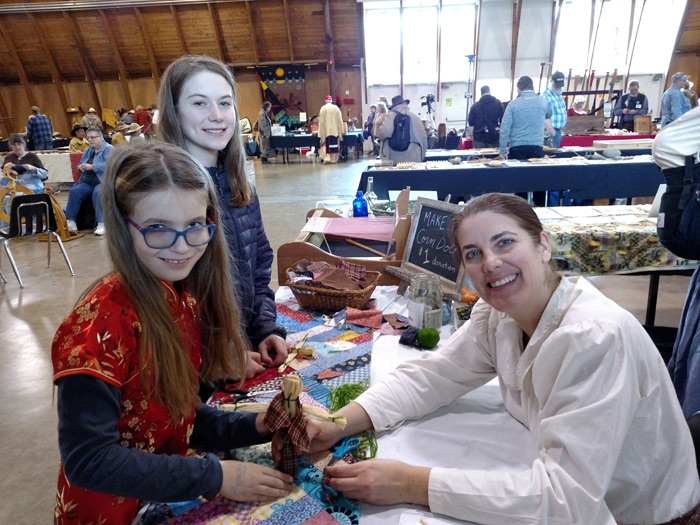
[
  {"x": 18, "y": 66},
  {"x": 178, "y": 28},
  {"x": 4, "y": 117},
  {"x": 289, "y": 31},
  {"x": 331, "y": 54},
  {"x": 217, "y": 32},
  {"x": 87, "y": 70},
  {"x": 155, "y": 71},
  {"x": 55, "y": 73},
  {"x": 118, "y": 58},
  {"x": 253, "y": 42}
]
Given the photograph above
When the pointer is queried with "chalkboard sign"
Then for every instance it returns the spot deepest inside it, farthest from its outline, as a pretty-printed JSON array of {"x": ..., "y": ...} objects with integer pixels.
[{"x": 428, "y": 249}]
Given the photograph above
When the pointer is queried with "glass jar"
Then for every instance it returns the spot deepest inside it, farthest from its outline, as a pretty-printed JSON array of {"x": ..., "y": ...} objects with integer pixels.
[{"x": 426, "y": 301}]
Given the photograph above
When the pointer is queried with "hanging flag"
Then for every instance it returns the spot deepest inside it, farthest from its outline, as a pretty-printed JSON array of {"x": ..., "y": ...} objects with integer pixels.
[{"x": 284, "y": 88}]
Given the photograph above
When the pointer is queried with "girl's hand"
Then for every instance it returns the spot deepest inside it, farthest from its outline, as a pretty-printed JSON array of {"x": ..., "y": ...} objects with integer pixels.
[
  {"x": 8, "y": 166},
  {"x": 381, "y": 482},
  {"x": 29, "y": 167},
  {"x": 253, "y": 365},
  {"x": 253, "y": 482},
  {"x": 276, "y": 345}
]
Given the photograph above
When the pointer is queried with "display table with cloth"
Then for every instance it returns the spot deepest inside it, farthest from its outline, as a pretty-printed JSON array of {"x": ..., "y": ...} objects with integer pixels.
[
  {"x": 579, "y": 140},
  {"x": 595, "y": 179},
  {"x": 478, "y": 418},
  {"x": 561, "y": 153},
  {"x": 308, "y": 140},
  {"x": 62, "y": 166}
]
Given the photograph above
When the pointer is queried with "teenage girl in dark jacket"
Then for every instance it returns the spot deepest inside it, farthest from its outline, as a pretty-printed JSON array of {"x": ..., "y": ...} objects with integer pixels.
[{"x": 198, "y": 113}]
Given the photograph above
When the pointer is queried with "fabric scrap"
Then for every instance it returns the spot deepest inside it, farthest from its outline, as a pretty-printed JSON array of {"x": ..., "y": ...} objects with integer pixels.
[
  {"x": 396, "y": 321},
  {"x": 337, "y": 279},
  {"x": 371, "y": 318},
  {"x": 354, "y": 270},
  {"x": 329, "y": 374}
]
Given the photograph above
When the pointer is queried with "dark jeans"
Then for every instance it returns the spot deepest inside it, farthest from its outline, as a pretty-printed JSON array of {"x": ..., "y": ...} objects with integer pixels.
[
  {"x": 477, "y": 144},
  {"x": 524, "y": 153},
  {"x": 87, "y": 187}
]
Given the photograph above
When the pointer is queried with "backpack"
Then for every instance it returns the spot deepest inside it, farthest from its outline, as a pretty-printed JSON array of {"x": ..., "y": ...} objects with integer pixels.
[{"x": 401, "y": 136}]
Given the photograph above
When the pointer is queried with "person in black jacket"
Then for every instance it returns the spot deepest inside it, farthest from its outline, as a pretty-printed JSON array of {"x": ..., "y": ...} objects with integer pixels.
[
  {"x": 485, "y": 120},
  {"x": 198, "y": 113}
]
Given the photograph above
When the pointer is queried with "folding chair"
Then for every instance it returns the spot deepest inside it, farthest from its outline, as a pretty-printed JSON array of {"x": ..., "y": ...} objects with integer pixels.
[{"x": 32, "y": 215}]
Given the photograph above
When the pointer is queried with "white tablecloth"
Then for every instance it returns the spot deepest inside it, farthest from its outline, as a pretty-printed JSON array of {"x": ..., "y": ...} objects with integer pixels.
[
  {"x": 58, "y": 166},
  {"x": 474, "y": 432}
]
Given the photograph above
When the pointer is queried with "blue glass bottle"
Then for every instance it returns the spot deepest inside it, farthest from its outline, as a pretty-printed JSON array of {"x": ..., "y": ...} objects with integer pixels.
[{"x": 359, "y": 206}]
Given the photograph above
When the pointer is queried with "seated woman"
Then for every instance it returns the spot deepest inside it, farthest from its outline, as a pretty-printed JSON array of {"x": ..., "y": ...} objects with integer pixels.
[
  {"x": 442, "y": 135},
  {"x": 573, "y": 367},
  {"x": 30, "y": 170},
  {"x": 576, "y": 109}
]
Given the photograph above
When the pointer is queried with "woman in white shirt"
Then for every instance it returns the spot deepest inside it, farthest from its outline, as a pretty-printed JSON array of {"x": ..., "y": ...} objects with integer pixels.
[{"x": 573, "y": 367}]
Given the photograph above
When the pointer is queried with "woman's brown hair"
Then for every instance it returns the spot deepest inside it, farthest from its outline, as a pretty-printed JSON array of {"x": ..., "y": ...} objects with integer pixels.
[
  {"x": 166, "y": 371},
  {"x": 170, "y": 130}
]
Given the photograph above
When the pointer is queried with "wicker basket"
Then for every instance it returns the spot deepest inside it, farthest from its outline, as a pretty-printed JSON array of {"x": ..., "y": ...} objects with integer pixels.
[{"x": 313, "y": 298}]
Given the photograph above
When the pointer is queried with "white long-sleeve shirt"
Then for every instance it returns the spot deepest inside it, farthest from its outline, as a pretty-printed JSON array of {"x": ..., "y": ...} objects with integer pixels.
[
  {"x": 595, "y": 395},
  {"x": 680, "y": 138}
]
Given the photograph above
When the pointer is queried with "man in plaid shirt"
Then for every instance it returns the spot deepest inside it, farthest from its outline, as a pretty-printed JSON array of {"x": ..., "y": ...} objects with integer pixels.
[
  {"x": 556, "y": 102},
  {"x": 40, "y": 130},
  {"x": 143, "y": 117}
]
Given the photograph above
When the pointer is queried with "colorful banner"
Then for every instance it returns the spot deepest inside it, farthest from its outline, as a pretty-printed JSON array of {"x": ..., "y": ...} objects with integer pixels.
[{"x": 285, "y": 88}]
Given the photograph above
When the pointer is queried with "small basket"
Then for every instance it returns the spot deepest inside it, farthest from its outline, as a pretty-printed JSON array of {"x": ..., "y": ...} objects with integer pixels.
[{"x": 313, "y": 298}]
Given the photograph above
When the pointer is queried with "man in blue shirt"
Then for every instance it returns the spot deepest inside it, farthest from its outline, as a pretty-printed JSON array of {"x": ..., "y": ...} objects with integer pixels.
[
  {"x": 524, "y": 122},
  {"x": 40, "y": 130},
  {"x": 556, "y": 102},
  {"x": 674, "y": 103}
]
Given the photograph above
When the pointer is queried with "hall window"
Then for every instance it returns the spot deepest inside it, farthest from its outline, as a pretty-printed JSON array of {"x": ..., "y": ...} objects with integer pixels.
[
  {"x": 420, "y": 21},
  {"x": 614, "y": 26}
]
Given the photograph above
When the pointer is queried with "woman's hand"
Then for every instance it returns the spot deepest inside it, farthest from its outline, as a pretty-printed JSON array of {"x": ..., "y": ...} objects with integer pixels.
[
  {"x": 253, "y": 364},
  {"x": 253, "y": 482},
  {"x": 277, "y": 346},
  {"x": 381, "y": 482},
  {"x": 323, "y": 435}
]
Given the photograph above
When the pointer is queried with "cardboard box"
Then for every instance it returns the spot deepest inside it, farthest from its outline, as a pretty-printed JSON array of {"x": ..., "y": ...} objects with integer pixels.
[{"x": 642, "y": 124}]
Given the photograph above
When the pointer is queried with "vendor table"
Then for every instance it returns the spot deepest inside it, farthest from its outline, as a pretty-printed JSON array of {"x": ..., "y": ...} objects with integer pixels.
[
  {"x": 561, "y": 153},
  {"x": 467, "y": 429},
  {"x": 579, "y": 140},
  {"x": 606, "y": 179},
  {"x": 62, "y": 166},
  {"x": 307, "y": 140}
]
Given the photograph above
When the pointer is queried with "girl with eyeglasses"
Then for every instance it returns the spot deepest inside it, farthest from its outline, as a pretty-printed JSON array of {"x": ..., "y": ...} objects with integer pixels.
[
  {"x": 128, "y": 358},
  {"x": 197, "y": 99}
]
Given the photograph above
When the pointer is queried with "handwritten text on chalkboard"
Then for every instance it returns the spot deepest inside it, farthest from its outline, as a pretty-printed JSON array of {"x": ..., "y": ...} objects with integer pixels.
[{"x": 430, "y": 248}]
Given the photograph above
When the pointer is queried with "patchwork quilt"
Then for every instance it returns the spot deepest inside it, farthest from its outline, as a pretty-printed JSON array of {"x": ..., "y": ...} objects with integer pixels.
[{"x": 342, "y": 356}]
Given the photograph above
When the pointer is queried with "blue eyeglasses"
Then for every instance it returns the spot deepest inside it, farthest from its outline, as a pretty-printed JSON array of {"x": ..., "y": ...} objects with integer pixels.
[{"x": 161, "y": 238}]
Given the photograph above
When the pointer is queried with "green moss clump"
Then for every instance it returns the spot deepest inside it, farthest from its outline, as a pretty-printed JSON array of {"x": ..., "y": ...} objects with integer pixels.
[{"x": 428, "y": 338}]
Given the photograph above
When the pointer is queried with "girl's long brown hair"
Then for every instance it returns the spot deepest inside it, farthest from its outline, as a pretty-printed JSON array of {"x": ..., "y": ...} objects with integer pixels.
[
  {"x": 166, "y": 371},
  {"x": 169, "y": 128}
]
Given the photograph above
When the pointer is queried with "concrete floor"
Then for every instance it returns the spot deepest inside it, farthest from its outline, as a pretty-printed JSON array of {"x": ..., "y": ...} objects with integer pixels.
[{"x": 29, "y": 317}]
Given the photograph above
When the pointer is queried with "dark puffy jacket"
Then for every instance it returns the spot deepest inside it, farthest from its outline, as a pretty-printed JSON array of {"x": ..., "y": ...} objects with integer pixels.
[{"x": 252, "y": 262}]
